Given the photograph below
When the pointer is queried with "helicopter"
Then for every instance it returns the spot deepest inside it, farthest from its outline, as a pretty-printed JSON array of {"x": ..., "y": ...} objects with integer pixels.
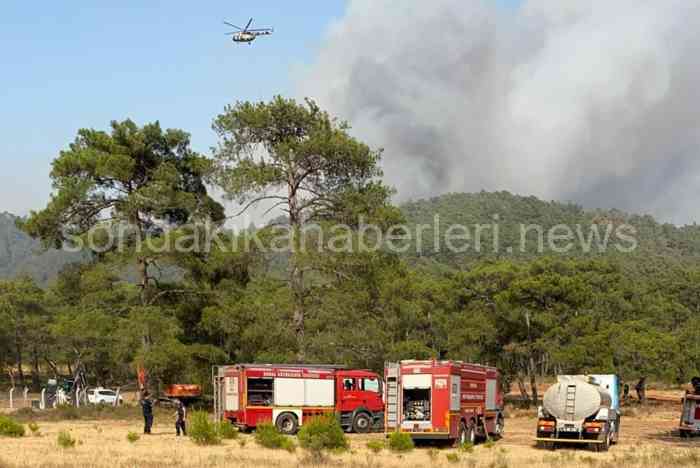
[{"x": 245, "y": 34}]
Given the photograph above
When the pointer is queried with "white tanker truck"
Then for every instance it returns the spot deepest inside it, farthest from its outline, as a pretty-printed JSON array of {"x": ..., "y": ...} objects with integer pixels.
[{"x": 580, "y": 409}]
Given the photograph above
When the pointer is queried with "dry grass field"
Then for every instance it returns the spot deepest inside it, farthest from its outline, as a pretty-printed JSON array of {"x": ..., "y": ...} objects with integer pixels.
[{"x": 647, "y": 440}]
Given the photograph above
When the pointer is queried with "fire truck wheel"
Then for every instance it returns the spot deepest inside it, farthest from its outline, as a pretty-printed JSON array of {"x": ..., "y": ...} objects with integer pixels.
[
  {"x": 500, "y": 427},
  {"x": 466, "y": 434},
  {"x": 287, "y": 423},
  {"x": 362, "y": 423}
]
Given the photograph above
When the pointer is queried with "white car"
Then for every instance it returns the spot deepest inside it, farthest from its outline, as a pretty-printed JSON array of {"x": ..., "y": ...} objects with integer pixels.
[{"x": 103, "y": 396}]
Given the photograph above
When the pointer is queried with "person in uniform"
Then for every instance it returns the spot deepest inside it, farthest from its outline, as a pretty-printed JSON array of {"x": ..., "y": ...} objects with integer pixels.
[
  {"x": 641, "y": 389},
  {"x": 181, "y": 414},
  {"x": 147, "y": 409}
]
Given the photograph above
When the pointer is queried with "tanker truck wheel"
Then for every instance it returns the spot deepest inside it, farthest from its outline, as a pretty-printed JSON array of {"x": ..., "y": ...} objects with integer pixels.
[{"x": 605, "y": 445}]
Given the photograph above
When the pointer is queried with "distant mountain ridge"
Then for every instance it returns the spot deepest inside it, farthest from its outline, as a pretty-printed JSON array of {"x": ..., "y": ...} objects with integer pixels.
[{"x": 21, "y": 255}]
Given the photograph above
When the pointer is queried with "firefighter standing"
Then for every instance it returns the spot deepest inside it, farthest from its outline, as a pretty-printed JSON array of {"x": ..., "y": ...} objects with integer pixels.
[
  {"x": 147, "y": 408},
  {"x": 641, "y": 389},
  {"x": 180, "y": 422}
]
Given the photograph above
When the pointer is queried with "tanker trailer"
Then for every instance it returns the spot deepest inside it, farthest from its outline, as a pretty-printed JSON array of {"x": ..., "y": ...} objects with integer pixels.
[{"x": 580, "y": 409}]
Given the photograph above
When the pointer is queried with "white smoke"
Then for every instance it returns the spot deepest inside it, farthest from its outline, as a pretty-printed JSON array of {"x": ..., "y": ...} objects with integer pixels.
[{"x": 589, "y": 101}]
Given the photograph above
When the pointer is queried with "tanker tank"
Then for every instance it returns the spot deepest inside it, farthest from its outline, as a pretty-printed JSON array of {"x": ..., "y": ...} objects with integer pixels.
[{"x": 575, "y": 398}]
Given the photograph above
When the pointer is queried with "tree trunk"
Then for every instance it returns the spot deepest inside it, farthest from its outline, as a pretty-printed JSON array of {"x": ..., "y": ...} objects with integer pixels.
[
  {"x": 18, "y": 355},
  {"x": 533, "y": 381},
  {"x": 296, "y": 277},
  {"x": 36, "y": 379}
]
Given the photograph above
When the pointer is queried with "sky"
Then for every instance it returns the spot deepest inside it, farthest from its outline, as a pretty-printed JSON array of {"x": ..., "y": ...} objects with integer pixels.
[
  {"x": 590, "y": 102},
  {"x": 81, "y": 63}
]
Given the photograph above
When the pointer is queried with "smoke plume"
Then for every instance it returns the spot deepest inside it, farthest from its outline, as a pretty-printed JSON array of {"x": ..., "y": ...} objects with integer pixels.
[{"x": 593, "y": 101}]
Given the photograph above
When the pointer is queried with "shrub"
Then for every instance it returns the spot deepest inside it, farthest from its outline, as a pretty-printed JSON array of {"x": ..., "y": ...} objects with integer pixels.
[
  {"x": 467, "y": 447},
  {"x": 132, "y": 437},
  {"x": 67, "y": 412},
  {"x": 242, "y": 442},
  {"x": 452, "y": 457},
  {"x": 489, "y": 444},
  {"x": 323, "y": 433},
  {"x": 376, "y": 446},
  {"x": 202, "y": 431},
  {"x": 433, "y": 453},
  {"x": 400, "y": 442},
  {"x": 266, "y": 435},
  {"x": 10, "y": 428},
  {"x": 66, "y": 440},
  {"x": 226, "y": 431},
  {"x": 34, "y": 427}
]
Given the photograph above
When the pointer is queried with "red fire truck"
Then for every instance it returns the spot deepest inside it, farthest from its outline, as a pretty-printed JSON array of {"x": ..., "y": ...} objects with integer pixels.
[
  {"x": 287, "y": 395},
  {"x": 450, "y": 400}
]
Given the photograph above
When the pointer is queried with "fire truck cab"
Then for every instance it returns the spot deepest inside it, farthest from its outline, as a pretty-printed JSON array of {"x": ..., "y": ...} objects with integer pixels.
[
  {"x": 450, "y": 400},
  {"x": 288, "y": 395}
]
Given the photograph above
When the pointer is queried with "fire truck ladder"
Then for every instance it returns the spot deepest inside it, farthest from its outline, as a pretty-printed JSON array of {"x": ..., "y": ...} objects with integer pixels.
[
  {"x": 392, "y": 397},
  {"x": 570, "y": 408}
]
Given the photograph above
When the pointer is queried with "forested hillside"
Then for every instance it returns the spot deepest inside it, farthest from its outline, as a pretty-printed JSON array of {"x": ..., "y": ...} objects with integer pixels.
[
  {"x": 660, "y": 241},
  {"x": 630, "y": 308}
]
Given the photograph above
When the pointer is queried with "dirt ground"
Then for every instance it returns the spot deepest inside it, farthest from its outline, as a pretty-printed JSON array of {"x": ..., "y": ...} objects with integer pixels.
[{"x": 647, "y": 440}]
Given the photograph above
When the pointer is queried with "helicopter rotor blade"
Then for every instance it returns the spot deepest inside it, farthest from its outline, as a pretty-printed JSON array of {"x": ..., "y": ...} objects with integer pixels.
[
  {"x": 232, "y": 25},
  {"x": 248, "y": 25}
]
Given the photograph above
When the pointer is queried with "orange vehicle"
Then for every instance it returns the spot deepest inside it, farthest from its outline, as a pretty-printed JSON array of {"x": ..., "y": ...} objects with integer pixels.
[{"x": 183, "y": 392}]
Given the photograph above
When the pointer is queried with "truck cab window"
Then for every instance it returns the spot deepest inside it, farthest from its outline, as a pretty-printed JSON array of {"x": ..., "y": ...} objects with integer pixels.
[
  {"x": 370, "y": 385},
  {"x": 349, "y": 384},
  {"x": 260, "y": 392}
]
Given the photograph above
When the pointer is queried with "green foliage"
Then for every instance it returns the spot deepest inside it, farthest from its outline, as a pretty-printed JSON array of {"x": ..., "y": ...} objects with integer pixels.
[
  {"x": 322, "y": 433},
  {"x": 376, "y": 446},
  {"x": 202, "y": 430},
  {"x": 466, "y": 447},
  {"x": 266, "y": 435},
  {"x": 133, "y": 437},
  {"x": 66, "y": 440},
  {"x": 34, "y": 427},
  {"x": 226, "y": 430},
  {"x": 452, "y": 457},
  {"x": 10, "y": 428},
  {"x": 400, "y": 442}
]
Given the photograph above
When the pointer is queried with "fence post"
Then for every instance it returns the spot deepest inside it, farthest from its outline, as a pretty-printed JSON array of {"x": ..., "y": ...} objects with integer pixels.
[
  {"x": 42, "y": 401},
  {"x": 116, "y": 400},
  {"x": 12, "y": 403},
  {"x": 77, "y": 396},
  {"x": 26, "y": 395}
]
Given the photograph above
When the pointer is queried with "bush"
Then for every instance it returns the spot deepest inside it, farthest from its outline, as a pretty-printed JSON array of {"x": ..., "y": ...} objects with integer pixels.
[
  {"x": 467, "y": 447},
  {"x": 10, "y": 428},
  {"x": 132, "y": 437},
  {"x": 66, "y": 440},
  {"x": 376, "y": 446},
  {"x": 400, "y": 442},
  {"x": 202, "y": 431},
  {"x": 489, "y": 444},
  {"x": 266, "y": 435},
  {"x": 67, "y": 412},
  {"x": 452, "y": 457},
  {"x": 323, "y": 433},
  {"x": 34, "y": 427},
  {"x": 226, "y": 431}
]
